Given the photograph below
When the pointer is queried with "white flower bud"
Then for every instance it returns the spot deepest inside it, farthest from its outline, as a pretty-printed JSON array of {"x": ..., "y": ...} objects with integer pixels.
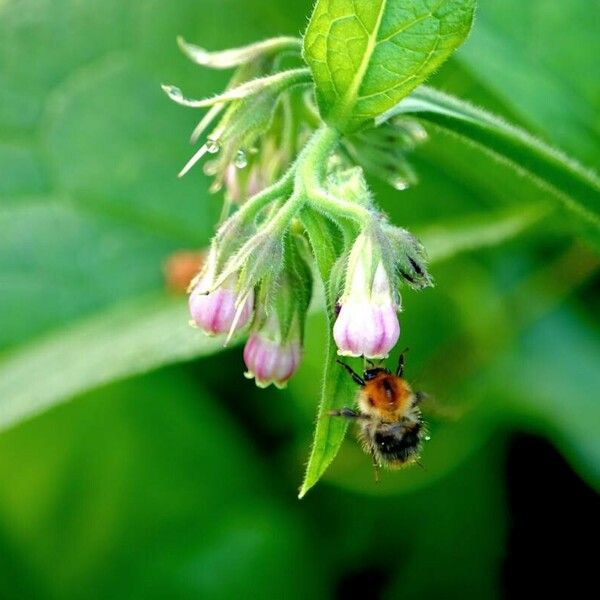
[{"x": 367, "y": 323}]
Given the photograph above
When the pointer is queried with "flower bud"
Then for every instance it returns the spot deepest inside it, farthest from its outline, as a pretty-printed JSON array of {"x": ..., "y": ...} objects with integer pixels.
[
  {"x": 219, "y": 311},
  {"x": 254, "y": 184},
  {"x": 242, "y": 184},
  {"x": 366, "y": 327},
  {"x": 270, "y": 360},
  {"x": 232, "y": 183},
  {"x": 350, "y": 184},
  {"x": 367, "y": 322},
  {"x": 272, "y": 354},
  {"x": 409, "y": 257}
]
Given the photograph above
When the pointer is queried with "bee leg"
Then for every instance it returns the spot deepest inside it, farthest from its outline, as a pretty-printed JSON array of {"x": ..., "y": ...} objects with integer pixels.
[
  {"x": 420, "y": 396},
  {"x": 347, "y": 413},
  {"x": 400, "y": 367},
  {"x": 355, "y": 376},
  {"x": 376, "y": 468}
]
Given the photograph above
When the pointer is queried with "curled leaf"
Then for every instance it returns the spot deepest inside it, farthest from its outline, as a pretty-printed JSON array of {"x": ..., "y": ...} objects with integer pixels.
[
  {"x": 279, "y": 81},
  {"x": 234, "y": 57},
  {"x": 575, "y": 186}
]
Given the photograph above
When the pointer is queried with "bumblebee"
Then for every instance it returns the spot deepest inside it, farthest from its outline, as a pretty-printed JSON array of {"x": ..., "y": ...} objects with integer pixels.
[{"x": 390, "y": 424}]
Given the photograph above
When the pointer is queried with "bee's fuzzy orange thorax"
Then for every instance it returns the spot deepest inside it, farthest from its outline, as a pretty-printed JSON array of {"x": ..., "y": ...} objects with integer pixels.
[{"x": 387, "y": 394}]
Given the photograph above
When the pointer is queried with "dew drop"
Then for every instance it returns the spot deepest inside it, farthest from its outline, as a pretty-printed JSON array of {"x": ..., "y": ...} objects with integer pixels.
[
  {"x": 211, "y": 168},
  {"x": 216, "y": 187},
  {"x": 173, "y": 92},
  {"x": 399, "y": 184},
  {"x": 416, "y": 131},
  {"x": 241, "y": 160},
  {"x": 427, "y": 438},
  {"x": 212, "y": 146}
]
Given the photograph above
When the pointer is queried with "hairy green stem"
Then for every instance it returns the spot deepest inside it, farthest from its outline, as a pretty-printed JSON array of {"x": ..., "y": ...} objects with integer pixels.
[
  {"x": 339, "y": 208},
  {"x": 308, "y": 174},
  {"x": 256, "y": 203},
  {"x": 304, "y": 175},
  {"x": 312, "y": 162}
]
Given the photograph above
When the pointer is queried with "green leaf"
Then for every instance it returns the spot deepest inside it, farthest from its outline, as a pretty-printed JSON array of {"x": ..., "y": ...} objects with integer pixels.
[
  {"x": 132, "y": 339},
  {"x": 126, "y": 468},
  {"x": 578, "y": 188},
  {"x": 367, "y": 56},
  {"x": 89, "y": 266},
  {"x": 534, "y": 394},
  {"x": 329, "y": 432},
  {"x": 460, "y": 527},
  {"x": 449, "y": 238},
  {"x": 528, "y": 54}
]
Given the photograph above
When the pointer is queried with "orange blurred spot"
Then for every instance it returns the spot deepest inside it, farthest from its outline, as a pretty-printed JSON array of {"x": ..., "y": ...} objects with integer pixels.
[{"x": 180, "y": 268}]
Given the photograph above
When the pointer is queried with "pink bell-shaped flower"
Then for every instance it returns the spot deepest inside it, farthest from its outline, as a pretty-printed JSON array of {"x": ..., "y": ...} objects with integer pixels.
[
  {"x": 220, "y": 311},
  {"x": 270, "y": 360},
  {"x": 367, "y": 323}
]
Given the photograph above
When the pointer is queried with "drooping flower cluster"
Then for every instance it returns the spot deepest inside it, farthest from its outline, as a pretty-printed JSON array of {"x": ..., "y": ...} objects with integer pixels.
[
  {"x": 251, "y": 145},
  {"x": 300, "y": 204}
]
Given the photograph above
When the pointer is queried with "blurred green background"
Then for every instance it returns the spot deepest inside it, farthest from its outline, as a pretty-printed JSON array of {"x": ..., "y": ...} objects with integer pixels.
[{"x": 168, "y": 475}]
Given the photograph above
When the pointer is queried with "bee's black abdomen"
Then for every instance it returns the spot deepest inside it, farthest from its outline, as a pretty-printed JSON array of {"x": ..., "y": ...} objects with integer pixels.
[{"x": 396, "y": 446}]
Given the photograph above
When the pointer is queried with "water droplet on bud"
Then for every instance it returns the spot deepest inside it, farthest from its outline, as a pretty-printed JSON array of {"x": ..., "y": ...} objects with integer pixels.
[
  {"x": 399, "y": 184},
  {"x": 416, "y": 131},
  {"x": 212, "y": 146},
  {"x": 211, "y": 168},
  {"x": 216, "y": 187},
  {"x": 427, "y": 438},
  {"x": 173, "y": 92},
  {"x": 241, "y": 160}
]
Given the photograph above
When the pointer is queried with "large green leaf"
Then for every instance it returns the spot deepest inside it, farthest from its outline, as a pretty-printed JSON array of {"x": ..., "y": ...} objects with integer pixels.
[
  {"x": 113, "y": 497},
  {"x": 48, "y": 279},
  {"x": 131, "y": 339},
  {"x": 577, "y": 187},
  {"x": 460, "y": 527},
  {"x": 472, "y": 232},
  {"x": 366, "y": 56},
  {"x": 539, "y": 57}
]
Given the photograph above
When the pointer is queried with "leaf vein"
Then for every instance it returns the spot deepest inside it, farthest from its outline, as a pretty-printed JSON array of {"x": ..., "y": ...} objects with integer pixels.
[{"x": 404, "y": 28}]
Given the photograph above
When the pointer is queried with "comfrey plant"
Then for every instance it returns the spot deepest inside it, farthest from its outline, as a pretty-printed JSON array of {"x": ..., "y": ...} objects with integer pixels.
[{"x": 289, "y": 142}]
